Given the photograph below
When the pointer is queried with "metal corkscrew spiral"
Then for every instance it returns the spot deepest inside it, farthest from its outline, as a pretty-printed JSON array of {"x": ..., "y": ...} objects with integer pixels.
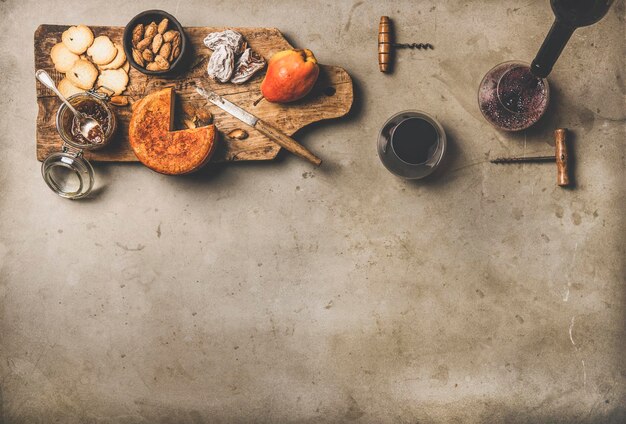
[
  {"x": 386, "y": 44},
  {"x": 418, "y": 46}
]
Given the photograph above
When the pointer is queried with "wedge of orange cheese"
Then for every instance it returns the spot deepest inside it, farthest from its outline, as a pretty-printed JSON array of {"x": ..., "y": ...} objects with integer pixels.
[{"x": 161, "y": 149}]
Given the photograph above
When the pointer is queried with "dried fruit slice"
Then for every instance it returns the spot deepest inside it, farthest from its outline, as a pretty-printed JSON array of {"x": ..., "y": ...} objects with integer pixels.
[
  {"x": 221, "y": 64},
  {"x": 229, "y": 38},
  {"x": 247, "y": 65},
  {"x": 159, "y": 148}
]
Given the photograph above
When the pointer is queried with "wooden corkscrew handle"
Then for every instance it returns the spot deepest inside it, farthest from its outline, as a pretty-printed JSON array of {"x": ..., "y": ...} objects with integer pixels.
[
  {"x": 562, "y": 168},
  {"x": 384, "y": 44}
]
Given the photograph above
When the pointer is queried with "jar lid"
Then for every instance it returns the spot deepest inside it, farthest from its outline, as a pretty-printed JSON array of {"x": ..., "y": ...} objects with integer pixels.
[{"x": 68, "y": 174}]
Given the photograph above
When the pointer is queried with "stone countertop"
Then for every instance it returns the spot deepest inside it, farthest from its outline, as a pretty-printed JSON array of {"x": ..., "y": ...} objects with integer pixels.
[{"x": 278, "y": 292}]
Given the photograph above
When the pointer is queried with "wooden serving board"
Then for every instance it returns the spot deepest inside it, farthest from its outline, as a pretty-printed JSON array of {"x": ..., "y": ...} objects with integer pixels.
[{"x": 330, "y": 98}]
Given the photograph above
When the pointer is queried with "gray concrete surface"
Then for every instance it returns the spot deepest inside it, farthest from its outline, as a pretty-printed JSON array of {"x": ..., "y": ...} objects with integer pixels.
[{"x": 275, "y": 292}]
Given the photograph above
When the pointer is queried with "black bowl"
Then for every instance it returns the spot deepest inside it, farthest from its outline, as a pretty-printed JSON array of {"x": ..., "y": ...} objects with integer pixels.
[{"x": 145, "y": 18}]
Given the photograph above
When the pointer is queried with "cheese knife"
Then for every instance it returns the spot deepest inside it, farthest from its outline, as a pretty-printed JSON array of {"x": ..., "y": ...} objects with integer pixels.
[{"x": 270, "y": 131}]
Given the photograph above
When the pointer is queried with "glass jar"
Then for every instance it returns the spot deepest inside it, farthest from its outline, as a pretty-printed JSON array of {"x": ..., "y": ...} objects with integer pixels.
[{"x": 68, "y": 173}]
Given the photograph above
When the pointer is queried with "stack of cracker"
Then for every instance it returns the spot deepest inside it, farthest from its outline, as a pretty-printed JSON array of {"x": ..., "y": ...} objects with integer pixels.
[{"x": 86, "y": 61}]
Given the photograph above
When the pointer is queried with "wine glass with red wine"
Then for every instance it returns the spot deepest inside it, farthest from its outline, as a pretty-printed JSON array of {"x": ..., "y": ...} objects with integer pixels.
[{"x": 513, "y": 96}]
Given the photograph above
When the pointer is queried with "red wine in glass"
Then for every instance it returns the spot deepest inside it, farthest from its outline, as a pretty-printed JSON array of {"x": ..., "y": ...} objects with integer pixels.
[
  {"x": 514, "y": 96},
  {"x": 511, "y": 98}
]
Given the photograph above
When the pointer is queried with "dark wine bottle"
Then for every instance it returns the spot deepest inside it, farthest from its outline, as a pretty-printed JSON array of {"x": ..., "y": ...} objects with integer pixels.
[{"x": 570, "y": 14}]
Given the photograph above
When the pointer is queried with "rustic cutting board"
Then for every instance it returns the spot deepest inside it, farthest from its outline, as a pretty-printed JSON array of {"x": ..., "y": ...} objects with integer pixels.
[{"x": 330, "y": 98}]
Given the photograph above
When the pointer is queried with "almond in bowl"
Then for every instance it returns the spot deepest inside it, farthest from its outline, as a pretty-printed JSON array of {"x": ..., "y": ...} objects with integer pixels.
[{"x": 155, "y": 43}]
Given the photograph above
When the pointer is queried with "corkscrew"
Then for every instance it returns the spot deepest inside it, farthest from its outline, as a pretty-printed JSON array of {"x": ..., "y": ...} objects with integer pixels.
[
  {"x": 561, "y": 157},
  {"x": 386, "y": 44},
  {"x": 418, "y": 46}
]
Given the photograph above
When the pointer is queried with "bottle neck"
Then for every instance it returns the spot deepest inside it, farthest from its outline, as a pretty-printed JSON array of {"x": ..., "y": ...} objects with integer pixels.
[{"x": 551, "y": 49}]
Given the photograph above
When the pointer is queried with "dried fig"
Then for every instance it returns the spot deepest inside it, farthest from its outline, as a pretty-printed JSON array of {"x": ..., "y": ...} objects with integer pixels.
[
  {"x": 189, "y": 123},
  {"x": 147, "y": 55},
  {"x": 137, "y": 34},
  {"x": 152, "y": 66},
  {"x": 229, "y": 38},
  {"x": 247, "y": 65},
  {"x": 151, "y": 30},
  {"x": 238, "y": 134},
  {"x": 157, "y": 42},
  {"x": 163, "y": 26},
  {"x": 143, "y": 44},
  {"x": 137, "y": 57},
  {"x": 221, "y": 64},
  {"x": 161, "y": 62},
  {"x": 169, "y": 35}
]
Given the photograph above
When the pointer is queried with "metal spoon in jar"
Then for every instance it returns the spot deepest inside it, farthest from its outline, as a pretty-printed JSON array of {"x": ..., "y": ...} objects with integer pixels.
[{"x": 89, "y": 127}]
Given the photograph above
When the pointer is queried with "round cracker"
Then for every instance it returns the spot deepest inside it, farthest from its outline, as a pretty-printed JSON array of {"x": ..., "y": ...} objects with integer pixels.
[
  {"x": 102, "y": 51},
  {"x": 77, "y": 38},
  {"x": 119, "y": 60},
  {"x": 83, "y": 74},
  {"x": 67, "y": 88},
  {"x": 113, "y": 79},
  {"x": 62, "y": 57}
]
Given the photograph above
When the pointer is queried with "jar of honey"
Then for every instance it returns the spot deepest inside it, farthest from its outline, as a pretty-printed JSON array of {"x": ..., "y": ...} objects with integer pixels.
[{"x": 68, "y": 173}]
